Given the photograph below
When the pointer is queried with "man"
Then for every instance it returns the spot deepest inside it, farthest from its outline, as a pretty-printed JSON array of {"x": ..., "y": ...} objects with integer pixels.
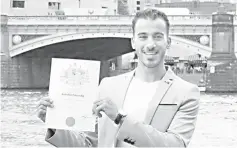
[{"x": 160, "y": 108}]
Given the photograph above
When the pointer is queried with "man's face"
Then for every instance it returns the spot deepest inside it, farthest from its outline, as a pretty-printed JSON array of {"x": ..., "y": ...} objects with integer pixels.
[{"x": 150, "y": 40}]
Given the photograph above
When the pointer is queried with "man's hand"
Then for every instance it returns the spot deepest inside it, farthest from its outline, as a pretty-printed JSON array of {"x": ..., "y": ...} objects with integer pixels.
[
  {"x": 42, "y": 107},
  {"x": 107, "y": 106}
]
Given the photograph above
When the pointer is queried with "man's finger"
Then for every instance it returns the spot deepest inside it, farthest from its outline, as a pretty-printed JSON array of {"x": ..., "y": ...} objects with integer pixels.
[
  {"x": 42, "y": 117},
  {"x": 46, "y": 103},
  {"x": 41, "y": 113},
  {"x": 94, "y": 108},
  {"x": 99, "y": 103},
  {"x": 42, "y": 107},
  {"x": 100, "y": 100},
  {"x": 47, "y": 99},
  {"x": 99, "y": 108}
]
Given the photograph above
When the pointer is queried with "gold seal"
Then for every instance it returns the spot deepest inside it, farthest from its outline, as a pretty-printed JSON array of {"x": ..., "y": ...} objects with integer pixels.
[{"x": 70, "y": 121}]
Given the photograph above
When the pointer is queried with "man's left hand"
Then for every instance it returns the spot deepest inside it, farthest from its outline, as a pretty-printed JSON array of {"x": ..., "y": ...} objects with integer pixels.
[{"x": 107, "y": 106}]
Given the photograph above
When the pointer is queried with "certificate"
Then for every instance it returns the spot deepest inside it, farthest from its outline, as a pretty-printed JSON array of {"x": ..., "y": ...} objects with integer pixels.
[{"x": 73, "y": 88}]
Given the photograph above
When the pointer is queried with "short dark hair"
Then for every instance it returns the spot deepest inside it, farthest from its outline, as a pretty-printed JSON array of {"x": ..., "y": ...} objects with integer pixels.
[{"x": 150, "y": 14}]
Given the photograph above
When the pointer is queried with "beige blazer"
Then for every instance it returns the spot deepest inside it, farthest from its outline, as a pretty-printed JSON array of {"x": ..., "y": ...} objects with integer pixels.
[{"x": 169, "y": 122}]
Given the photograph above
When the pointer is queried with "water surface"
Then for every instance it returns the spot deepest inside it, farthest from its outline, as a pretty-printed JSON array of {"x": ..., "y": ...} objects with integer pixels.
[{"x": 20, "y": 127}]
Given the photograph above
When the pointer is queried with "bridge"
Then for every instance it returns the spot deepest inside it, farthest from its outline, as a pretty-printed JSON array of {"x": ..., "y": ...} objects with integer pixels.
[
  {"x": 29, "y": 42},
  {"x": 48, "y": 30}
]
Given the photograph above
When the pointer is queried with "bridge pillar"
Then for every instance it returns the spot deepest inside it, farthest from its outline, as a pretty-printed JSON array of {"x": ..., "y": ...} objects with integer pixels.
[
  {"x": 5, "y": 56},
  {"x": 4, "y": 36},
  {"x": 25, "y": 71},
  {"x": 222, "y": 64},
  {"x": 104, "y": 69}
]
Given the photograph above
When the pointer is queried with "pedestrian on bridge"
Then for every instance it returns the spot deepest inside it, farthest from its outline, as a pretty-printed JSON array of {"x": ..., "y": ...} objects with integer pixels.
[{"x": 147, "y": 107}]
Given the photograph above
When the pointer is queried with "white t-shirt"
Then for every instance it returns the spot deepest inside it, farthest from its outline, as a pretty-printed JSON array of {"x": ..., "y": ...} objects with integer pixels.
[{"x": 138, "y": 96}]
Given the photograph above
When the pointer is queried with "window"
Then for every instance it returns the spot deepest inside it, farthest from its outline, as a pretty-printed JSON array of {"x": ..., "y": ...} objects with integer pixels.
[
  {"x": 54, "y": 5},
  {"x": 138, "y": 2},
  {"x": 195, "y": 4},
  {"x": 18, "y": 4},
  {"x": 148, "y": 1}
]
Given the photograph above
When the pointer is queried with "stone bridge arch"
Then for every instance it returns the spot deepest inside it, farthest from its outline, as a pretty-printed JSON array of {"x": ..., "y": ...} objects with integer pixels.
[{"x": 30, "y": 45}]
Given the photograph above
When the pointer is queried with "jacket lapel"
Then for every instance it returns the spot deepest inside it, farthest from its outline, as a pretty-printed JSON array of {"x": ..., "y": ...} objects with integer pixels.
[
  {"x": 110, "y": 130},
  {"x": 161, "y": 91},
  {"x": 123, "y": 88}
]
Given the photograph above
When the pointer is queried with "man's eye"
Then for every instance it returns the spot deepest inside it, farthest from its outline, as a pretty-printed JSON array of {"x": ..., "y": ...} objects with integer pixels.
[
  {"x": 158, "y": 37},
  {"x": 142, "y": 37}
]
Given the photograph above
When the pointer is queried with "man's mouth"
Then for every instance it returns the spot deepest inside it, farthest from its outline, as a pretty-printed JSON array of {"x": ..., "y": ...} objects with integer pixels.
[{"x": 150, "y": 53}]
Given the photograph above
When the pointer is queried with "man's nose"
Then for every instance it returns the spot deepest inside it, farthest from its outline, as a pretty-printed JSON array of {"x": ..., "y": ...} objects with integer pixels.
[
  {"x": 150, "y": 43},
  {"x": 151, "y": 46}
]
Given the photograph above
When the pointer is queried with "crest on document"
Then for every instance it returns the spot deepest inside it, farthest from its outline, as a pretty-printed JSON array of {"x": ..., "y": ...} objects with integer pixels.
[{"x": 74, "y": 75}]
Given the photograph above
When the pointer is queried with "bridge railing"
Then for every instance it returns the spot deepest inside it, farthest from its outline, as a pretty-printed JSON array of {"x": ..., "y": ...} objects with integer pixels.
[
  {"x": 103, "y": 17},
  {"x": 73, "y": 17},
  {"x": 104, "y": 20}
]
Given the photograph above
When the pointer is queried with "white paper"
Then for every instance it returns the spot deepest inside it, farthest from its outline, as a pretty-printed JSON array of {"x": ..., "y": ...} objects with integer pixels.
[{"x": 73, "y": 88}]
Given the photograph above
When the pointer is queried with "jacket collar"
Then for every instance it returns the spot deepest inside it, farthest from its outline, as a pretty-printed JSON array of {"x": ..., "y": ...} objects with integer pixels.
[{"x": 167, "y": 79}]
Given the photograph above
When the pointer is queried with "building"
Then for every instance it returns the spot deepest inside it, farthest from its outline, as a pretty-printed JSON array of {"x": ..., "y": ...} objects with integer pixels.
[
  {"x": 174, "y": 1},
  {"x": 49, "y": 7},
  {"x": 198, "y": 7},
  {"x": 194, "y": 6},
  {"x": 108, "y": 7}
]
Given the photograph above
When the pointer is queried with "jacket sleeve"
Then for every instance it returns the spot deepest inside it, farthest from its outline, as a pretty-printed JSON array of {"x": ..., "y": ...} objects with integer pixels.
[
  {"x": 178, "y": 134},
  {"x": 66, "y": 138}
]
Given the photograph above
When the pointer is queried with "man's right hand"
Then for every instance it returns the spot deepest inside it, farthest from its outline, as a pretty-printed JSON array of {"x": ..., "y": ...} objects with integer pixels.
[{"x": 42, "y": 107}]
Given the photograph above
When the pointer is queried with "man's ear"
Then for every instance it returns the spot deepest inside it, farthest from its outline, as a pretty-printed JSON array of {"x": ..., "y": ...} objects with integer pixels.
[
  {"x": 169, "y": 43},
  {"x": 132, "y": 43}
]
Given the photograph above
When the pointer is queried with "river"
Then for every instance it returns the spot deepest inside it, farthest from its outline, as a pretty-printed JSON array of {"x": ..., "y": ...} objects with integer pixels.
[{"x": 20, "y": 127}]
